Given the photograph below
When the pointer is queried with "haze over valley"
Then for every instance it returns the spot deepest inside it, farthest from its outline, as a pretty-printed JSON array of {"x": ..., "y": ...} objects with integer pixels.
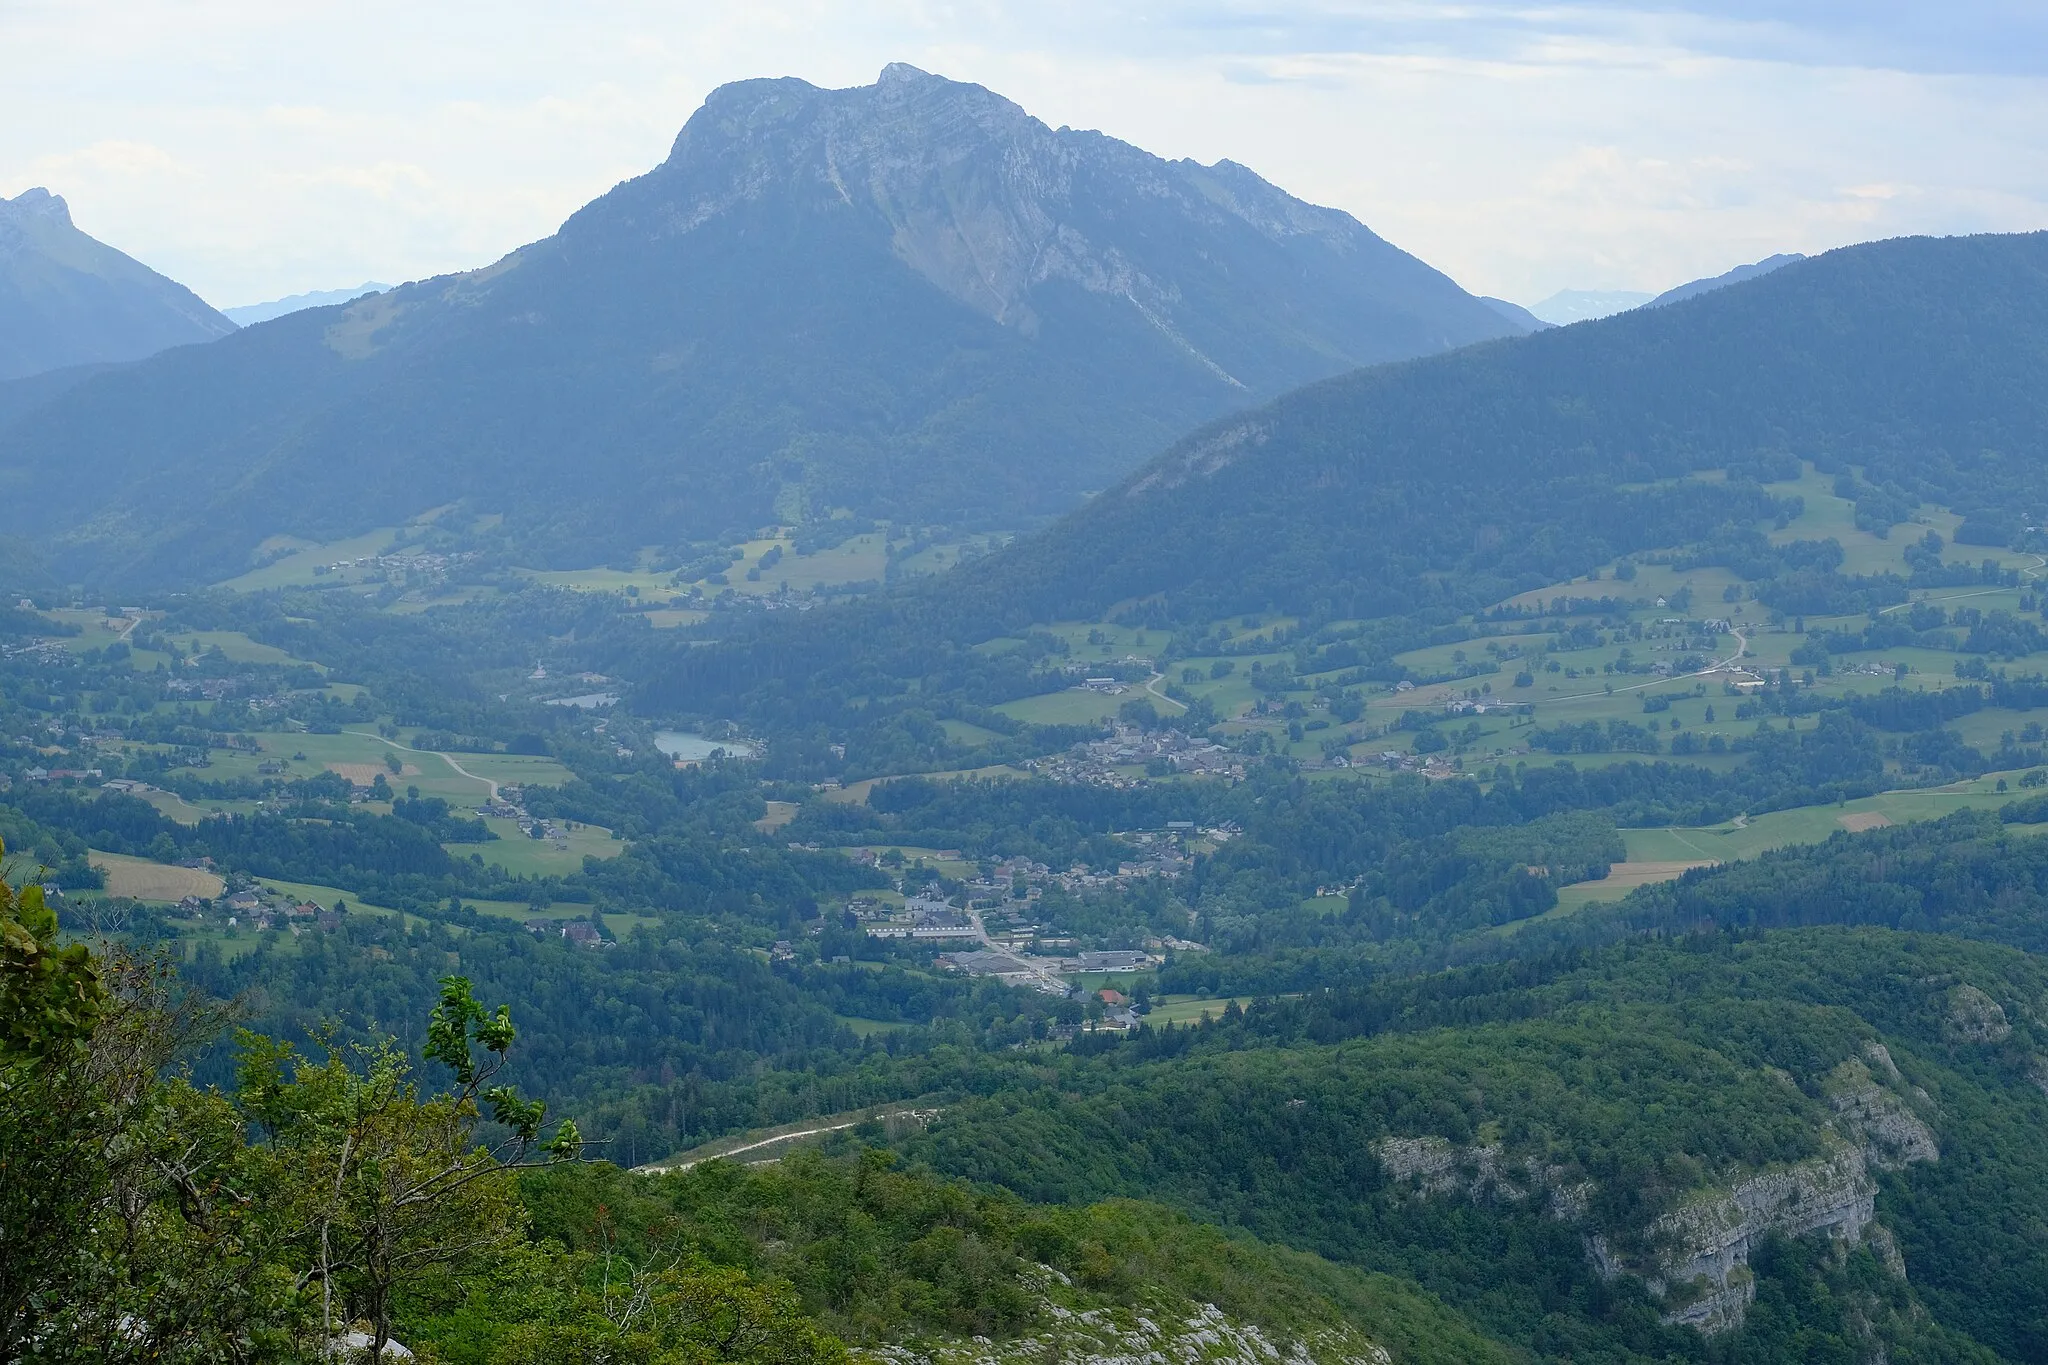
[{"x": 927, "y": 736}]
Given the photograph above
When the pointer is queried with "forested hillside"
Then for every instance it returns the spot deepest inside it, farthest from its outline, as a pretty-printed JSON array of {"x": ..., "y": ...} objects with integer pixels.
[{"x": 1432, "y": 489}]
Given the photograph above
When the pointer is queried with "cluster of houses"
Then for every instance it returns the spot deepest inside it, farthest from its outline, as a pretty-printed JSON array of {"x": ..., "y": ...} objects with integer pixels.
[
  {"x": 1106, "y": 762},
  {"x": 580, "y": 932},
  {"x": 510, "y": 804},
  {"x": 417, "y": 563},
  {"x": 262, "y": 909}
]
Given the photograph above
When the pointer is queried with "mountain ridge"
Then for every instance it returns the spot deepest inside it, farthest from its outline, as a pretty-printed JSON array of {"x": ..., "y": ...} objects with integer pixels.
[{"x": 68, "y": 299}]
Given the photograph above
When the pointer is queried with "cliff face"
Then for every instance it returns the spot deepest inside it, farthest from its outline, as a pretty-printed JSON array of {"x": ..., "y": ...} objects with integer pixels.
[{"x": 1696, "y": 1257}]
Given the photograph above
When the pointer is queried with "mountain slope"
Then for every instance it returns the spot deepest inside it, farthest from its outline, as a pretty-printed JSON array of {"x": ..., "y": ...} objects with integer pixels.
[
  {"x": 67, "y": 299},
  {"x": 909, "y": 299},
  {"x": 1464, "y": 478}
]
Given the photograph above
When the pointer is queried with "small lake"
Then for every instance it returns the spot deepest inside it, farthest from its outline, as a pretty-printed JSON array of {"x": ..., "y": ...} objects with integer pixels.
[
  {"x": 682, "y": 744},
  {"x": 589, "y": 701}
]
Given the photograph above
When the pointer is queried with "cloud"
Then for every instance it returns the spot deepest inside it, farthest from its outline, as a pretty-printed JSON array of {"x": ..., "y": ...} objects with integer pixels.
[{"x": 254, "y": 150}]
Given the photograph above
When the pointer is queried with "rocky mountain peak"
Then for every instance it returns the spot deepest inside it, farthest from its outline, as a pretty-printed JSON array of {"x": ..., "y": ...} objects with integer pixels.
[
  {"x": 985, "y": 201},
  {"x": 32, "y": 210}
]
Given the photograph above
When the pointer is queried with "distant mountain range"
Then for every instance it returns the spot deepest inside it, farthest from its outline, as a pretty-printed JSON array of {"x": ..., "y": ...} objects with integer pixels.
[
  {"x": 67, "y": 299},
  {"x": 1722, "y": 281},
  {"x": 249, "y": 314},
  {"x": 1567, "y": 306},
  {"x": 909, "y": 299}
]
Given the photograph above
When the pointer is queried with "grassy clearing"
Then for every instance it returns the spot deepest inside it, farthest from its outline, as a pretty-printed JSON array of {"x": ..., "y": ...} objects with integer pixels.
[
  {"x": 522, "y": 856},
  {"x": 868, "y": 1028},
  {"x": 779, "y": 814},
  {"x": 1809, "y": 824},
  {"x": 296, "y": 560},
  {"x": 237, "y": 647},
  {"x": 934, "y": 859},
  {"x": 964, "y": 732},
  {"x": 625, "y": 926}
]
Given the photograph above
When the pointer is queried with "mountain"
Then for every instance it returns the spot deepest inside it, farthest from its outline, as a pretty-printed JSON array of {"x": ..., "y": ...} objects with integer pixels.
[
  {"x": 1567, "y": 306},
  {"x": 1735, "y": 276},
  {"x": 1412, "y": 493},
  {"x": 910, "y": 299},
  {"x": 67, "y": 299},
  {"x": 1461, "y": 479},
  {"x": 249, "y": 314}
]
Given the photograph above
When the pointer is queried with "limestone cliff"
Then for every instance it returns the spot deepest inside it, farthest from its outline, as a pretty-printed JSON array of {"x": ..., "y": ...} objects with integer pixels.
[{"x": 1696, "y": 1257}]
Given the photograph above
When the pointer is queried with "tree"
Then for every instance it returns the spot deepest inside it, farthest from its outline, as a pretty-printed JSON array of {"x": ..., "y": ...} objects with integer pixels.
[{"x": 390, "y": 1185}]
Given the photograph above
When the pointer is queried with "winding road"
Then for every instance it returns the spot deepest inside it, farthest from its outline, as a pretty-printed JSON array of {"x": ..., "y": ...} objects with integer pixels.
[
  {"x": 366, "y": 734},
  {"x": 1150, "y": 686},
  {"x": 1741, "y": 652}
]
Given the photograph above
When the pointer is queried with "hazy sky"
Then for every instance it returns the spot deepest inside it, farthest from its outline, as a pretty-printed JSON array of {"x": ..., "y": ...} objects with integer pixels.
[{"x": 258, "y": 149}]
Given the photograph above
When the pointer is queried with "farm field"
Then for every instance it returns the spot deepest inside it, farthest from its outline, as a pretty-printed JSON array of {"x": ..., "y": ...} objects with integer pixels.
[
  {"x": 1191, "y": 1009},
  {"x": 1070, "y": 707},
  {"x": 143, "y": 880}
]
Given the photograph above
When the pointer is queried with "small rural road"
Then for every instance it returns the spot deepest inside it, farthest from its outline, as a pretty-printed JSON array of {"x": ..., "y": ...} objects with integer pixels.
[
  {"x": 2031, "y": 572},
  {"x": 747, "y": 1147},
  {"x": 1741, "y": 652},
  {"x": 435, "y": 752},
  {"x": 1150, "y": 686},
  {"x": 793, "y": 1135}
]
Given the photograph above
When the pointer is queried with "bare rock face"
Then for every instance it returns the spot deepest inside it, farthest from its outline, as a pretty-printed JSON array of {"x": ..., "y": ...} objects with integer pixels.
[
  {"x": 1698, "y": 1254},
  {"x": 1974, "y": 1017},
  {"x": 1702, "y": 1266},
  {"x": 993, "y": 206},
  {"x": 1148, "y": 1334}
]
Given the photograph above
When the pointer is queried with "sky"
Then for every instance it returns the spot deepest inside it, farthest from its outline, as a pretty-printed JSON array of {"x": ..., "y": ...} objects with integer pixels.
[{"x": 252, "y": 150}]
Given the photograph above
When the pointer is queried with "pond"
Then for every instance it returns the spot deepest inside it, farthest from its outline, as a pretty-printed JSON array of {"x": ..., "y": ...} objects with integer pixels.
[
  {"x": 682, "y": 744},
  {"x": 589, "y": 701}
]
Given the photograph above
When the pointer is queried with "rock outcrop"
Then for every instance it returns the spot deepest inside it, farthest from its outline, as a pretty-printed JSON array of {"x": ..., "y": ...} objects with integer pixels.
[
  {"x": 1696, "y": 1257},
  {"x": 1974, "y": 1017},
  {"x": 1153, "y": 1334}
]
